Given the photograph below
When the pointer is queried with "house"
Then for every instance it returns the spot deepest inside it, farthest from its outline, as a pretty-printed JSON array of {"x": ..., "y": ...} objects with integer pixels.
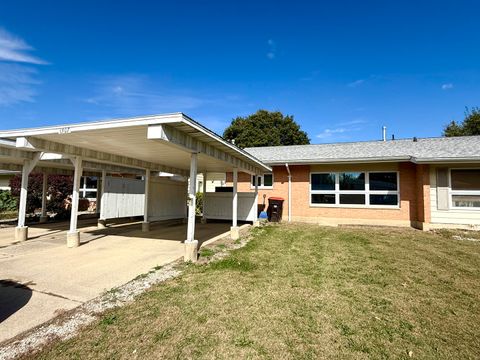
[
  {"x": 425, "y": 183},
  {"x": 5, "y": 176}
]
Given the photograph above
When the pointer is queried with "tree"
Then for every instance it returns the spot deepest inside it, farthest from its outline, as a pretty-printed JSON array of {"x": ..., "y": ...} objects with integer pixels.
[
  {"x": 60, "y": 188},
  {"x": 469, "y": 126},
  {"x": 265, "y": 128}
]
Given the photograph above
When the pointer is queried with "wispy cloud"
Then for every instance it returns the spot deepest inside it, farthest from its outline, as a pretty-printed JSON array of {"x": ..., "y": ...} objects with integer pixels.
[
  {"x": 342, "y": 131},
  {"x": 17, "y": 72},
  {"x": 272, "y": 49},
  {"x": 15, "y": 49},
  {"x": 356, "y": 83},
  {"x": 133, "y": 94},
  {"x": 447, "y": 86}
]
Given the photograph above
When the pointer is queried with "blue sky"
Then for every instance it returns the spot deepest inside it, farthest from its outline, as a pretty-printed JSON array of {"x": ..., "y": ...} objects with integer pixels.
[{"x": 342, "y": 68}]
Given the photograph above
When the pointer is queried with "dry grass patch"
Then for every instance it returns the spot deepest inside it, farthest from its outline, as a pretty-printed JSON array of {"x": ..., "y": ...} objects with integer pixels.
[{"x": 301, "y": 291}]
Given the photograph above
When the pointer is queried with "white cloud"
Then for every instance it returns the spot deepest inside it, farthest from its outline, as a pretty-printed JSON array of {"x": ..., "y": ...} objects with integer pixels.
[
  {"x": 447, "y": 86},
  {"x": 341, "y": 132},
  {"x": 14, "y": 49},
  {"x": 356, "y": 83},
  {"x": 135, "y": 94},
  {"x": 17, "y": 74},
  {"x": 328, "y": 133},
  {"x": 272, "y": 49}
]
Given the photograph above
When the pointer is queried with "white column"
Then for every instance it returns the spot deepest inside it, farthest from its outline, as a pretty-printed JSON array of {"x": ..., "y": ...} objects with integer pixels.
[
  {"x": 146, "y": 224},
  {"x": 73, "y": 236},
  {"x": 234, "y": 233},
  {"x": 21, "y": 231},
  {"x": 101, "y": 220},
  {"x": 191, "y": 245},
  {"x": 204, "y": 197},
  {"x": 43, "y": 216},
  {"x": 255, "y": 221}
]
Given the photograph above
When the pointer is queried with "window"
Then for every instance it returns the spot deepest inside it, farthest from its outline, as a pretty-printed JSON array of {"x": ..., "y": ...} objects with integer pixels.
[
  {"x": 88, "y": 187},
  {"x": 465, "y": 188},
  {"x": 375, "y": 189},
  {"x": 265, "y": 181}
]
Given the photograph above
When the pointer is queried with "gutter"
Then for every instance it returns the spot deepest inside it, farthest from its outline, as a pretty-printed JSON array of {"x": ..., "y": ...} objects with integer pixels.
[{"x": 289, "y": 193}]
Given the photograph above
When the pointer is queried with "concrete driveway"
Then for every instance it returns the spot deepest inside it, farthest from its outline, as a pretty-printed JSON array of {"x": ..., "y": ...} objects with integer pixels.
[{"x": 41, "y": 277}]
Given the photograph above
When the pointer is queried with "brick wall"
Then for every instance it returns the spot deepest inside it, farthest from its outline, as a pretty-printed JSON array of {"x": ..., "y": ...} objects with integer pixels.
[{"x": 414, "y": 193}]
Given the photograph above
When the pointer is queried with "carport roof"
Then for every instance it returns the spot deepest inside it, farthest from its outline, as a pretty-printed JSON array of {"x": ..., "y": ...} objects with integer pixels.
[{"x": 137, "y": 142}]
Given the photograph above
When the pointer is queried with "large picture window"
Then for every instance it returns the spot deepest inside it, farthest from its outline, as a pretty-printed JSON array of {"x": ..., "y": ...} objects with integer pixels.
[
  {"x": 465, "y": 188},
  {"x": 357, "y": 189},
  {"x": 265, "y": 181}
]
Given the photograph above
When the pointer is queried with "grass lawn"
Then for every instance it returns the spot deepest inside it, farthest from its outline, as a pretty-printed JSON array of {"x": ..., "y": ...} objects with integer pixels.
[{"x": 304, "y": 292}]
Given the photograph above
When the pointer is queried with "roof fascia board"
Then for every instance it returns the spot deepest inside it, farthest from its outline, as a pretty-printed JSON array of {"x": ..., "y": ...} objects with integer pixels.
[
  {"x": 96, "y": 125},
  {"x": 338, "y": 161}
]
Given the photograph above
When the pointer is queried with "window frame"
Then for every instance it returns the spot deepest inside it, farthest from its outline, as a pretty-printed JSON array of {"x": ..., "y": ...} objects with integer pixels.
[
  {"x": 262, "y": 177},
  {"x": 83, "y": 190},
  {"x": 367, "y": 192},
  {"x": 452, "y": 192}
]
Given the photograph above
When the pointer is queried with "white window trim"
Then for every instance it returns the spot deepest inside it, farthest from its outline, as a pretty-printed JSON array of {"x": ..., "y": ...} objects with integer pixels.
[
  {"x": 83, "y": 190},
  {"x": 367, "y": 192},
  {"x": 263, "y": 186},
  {"x": 452, "y": 192}
]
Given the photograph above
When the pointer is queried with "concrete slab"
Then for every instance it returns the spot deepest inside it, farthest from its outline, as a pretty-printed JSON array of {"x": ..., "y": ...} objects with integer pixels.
[{"x": 60, "y": 278}]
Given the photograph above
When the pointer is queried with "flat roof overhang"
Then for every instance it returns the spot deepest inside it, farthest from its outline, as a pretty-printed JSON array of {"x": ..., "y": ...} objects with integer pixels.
[{"x": 161, "y": 143}]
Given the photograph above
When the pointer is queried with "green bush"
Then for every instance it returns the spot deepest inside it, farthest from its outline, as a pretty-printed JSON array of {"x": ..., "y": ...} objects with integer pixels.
[
  {"x": 7, "y": 201},
  {"x": 199, "y": 204}
]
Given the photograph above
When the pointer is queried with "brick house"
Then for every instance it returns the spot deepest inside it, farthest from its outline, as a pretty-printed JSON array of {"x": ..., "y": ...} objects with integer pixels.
[{"x": 425, "y": 183}]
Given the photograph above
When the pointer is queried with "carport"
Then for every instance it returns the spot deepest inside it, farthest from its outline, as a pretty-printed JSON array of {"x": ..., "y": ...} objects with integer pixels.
[{"x": 171, "y": 145}]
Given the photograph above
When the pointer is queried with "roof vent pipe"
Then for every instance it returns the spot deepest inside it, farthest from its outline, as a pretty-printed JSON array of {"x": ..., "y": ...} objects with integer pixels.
[{"x": 384, "y": 133}]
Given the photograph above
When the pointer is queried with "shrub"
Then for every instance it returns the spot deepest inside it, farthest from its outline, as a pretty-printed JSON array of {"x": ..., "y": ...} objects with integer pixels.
[
  {"x": 7, "y": 201},
  {"x": 199, "y": 204},
  {"x": 59, "y": 189}
]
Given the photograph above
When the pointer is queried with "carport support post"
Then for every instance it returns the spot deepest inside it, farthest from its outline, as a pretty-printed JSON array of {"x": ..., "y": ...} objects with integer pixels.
[
  {"x": 234, "y": 232},
  {"x": 146, "y": 224},
  {"x": 255, "y": 221},
  {"x": 21, "y": 231},
  {"x": 73, "y": 236},
  {"x": 101, "y": 224},
  {"x": 43, "y": 216},
  {"x": 191, "y": 245},
  {"x": 204, "y": 193}
]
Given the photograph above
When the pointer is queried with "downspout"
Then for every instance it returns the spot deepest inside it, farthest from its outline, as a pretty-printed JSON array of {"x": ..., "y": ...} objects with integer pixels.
[{"x": 289, "y": 193}]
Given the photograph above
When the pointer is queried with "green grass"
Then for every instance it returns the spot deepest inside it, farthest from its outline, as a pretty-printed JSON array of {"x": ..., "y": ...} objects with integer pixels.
[{"x": 305, "y": 292}]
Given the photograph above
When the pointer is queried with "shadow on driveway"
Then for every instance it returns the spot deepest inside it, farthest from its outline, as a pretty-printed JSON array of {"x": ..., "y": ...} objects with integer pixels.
[{"x": 13, "y": 297}]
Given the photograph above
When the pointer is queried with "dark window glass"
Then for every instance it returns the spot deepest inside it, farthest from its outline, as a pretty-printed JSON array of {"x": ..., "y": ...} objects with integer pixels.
[
  {"x": 323, "y": 198},
  {"x": 91, "y": 182},
  {"x": 323, "y": 181},
  {"x": 259, "y": 181},
  {"x": 352, "y": 199},
  {"x": 268, "y": 180},
  {"x": 466, "y": 201},
  {"x": 90, "y": 194},
  {"x": 352, "y": 181},
  {"x": 383, "y": 200},
  {"x": 383, "y": 181},
  {"x": 466, "y": 179}
]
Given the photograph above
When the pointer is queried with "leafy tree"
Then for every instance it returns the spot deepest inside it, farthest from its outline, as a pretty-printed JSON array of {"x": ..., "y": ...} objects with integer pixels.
[
  {"x": 265, "y": 128},
  {"x": 59, "y": 189},
  {"x": 469, "y": 126}
]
